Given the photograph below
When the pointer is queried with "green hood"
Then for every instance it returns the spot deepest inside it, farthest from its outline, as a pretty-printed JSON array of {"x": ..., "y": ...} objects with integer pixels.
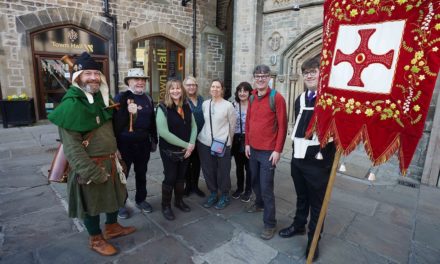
[{"x": 77, "y": 114}]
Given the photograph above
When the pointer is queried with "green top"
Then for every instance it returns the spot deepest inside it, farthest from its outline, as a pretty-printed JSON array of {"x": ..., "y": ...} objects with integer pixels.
[
  {"x": 164, "y": 132},
  {"x": 75, "y": 113}
]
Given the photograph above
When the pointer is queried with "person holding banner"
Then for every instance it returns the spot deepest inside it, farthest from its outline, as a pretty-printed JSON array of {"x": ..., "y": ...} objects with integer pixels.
[
  {"x": 214, "y": 146},
  {"x": 135, "y": 129},
  {"x": 310, "y": 165},
  {"x": 96, "y": 183},
  {"x": 266, "y": 128}
]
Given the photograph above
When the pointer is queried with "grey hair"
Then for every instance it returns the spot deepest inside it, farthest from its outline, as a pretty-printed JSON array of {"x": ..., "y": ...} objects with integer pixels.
[{"x": 262, "y": 68}]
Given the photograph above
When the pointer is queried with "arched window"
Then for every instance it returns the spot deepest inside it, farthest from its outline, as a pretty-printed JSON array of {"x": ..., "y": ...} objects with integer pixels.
[{"x": 161, "y": 59}]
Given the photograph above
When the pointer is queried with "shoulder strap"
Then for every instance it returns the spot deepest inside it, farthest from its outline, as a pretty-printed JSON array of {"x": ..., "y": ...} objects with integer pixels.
[
  {"x": 251, "y": 98},
  {"x": 150, "y": 100},
  {"x": 163, "y": 108},
  {"x": 273, "y": 92}
]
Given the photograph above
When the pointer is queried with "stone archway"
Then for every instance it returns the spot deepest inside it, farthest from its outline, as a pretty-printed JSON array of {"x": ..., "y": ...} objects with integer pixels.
[
  {"x": 151, "y": 29},
  {"x": 52, "y": 17},
  {"x": 304, "y": 47}
]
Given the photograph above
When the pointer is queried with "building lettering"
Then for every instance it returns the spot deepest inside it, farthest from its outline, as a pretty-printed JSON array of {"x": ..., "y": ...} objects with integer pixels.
[
  {"x": 162, "y": 68},
  {"x": 82, "y": 46}
]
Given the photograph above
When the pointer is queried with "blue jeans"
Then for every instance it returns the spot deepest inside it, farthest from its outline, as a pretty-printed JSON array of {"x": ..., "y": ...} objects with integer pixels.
[{"x": 262, "y": 174}]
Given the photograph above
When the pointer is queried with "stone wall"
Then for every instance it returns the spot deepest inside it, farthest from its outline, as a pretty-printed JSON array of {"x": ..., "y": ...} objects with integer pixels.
[
  {"x": 282, "y": 29},
  {"x": 20, "y": 18}
]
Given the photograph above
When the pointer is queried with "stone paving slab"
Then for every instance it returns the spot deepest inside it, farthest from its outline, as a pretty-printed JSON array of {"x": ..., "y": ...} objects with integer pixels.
[
  {"x": 165, "y": 250},
  {"x": 241, "y": 249},
  {"x": 212, "y": 232},
  {"x": 182, "y": 218},
  {"x": 18, "y": 204},
  {"x": 35, "y": 229},
  {"x": 424, "y": 255},
  {"x": 389, "y": 195},
  {"x": 354, "y": 202},
  {"x": 22, "y": 177},
  {"x": 71, "y": 249},
  {"x": 293, "y": 247},
  {"x": 382, "y": 238},
  {"x": 395, "y": 215},
  {"x": 283, "y": 258},
  {"x": 428, "y": 233},
  {"x": 337, "y": 220},
  {"x": 337, "y": 251},
  {"x": 23, "y": 257}
]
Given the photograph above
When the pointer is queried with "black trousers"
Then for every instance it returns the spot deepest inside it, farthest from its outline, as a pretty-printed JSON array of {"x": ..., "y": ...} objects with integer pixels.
[
  {"x": 174, "y": 171},
  {"x": 137, "y": 154},
  {"x": 193, "y": 171},
  {"x": 310, "y": 177},
  {"x": 242, "y": 165}
]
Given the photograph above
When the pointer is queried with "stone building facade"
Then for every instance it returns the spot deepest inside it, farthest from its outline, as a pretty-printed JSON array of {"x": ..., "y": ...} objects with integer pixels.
[
  {"x": 285, "y": 33},
  {"x": 154, "y": 34},
  {"x": 232, "y": 36}
]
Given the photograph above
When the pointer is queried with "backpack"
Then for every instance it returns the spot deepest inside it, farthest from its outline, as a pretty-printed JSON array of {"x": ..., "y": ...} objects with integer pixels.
[{"x": 272, "y": 94}]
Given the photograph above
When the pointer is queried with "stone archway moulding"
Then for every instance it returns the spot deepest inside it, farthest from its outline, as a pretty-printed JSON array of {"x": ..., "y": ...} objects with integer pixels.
[
  {"x": 305, "y": 46},
  {"x": 151, "y": 29},
  {"x": 58, "y": 16}
]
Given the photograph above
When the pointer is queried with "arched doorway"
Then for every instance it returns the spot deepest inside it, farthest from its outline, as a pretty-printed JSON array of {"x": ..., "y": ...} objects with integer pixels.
[
  {"x": 52, "y": 75},
  {"x": 304, "y": 47},
  {"x": 161, "y": 59}
]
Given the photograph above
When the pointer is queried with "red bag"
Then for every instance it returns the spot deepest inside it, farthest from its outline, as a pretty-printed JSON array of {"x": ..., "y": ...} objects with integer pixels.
[{"x": 59, "y": 168}]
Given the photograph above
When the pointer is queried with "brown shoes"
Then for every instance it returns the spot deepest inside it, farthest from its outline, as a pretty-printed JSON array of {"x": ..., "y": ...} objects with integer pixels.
[
  {"x": 116, "y": 230},
  {"x": 98, "y": 244}
]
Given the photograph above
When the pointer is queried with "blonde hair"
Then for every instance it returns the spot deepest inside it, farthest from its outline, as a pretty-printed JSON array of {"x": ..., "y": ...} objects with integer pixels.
[
  {"x": 168, "y": 101},
  {"x": 192, "y": 78}
]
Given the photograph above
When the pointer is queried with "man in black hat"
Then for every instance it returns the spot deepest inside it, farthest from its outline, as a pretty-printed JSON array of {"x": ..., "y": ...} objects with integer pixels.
[
  {"x": 136, "y": 134},
  {"x": 94, "y": 185}
]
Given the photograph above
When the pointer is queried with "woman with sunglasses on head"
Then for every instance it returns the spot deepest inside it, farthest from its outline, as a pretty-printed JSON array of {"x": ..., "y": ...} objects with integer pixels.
[
  {"x": 214, "y": 145},
  {"x": 177, "y": 135}
]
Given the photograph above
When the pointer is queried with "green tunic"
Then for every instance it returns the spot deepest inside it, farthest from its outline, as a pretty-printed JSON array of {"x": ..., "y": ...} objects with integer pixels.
[{"x": 89, "y": 188}]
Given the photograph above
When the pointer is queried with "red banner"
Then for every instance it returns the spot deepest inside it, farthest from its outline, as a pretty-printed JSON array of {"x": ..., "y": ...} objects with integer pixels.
[{"x": 379, "y": 64}]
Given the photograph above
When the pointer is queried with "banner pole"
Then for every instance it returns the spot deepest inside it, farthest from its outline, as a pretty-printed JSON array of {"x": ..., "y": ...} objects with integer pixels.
[{"x": 324, "y": 207}]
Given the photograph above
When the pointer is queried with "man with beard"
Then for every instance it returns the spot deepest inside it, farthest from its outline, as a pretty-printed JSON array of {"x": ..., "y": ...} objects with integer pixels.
[
  {"x": 94, "y": 185},
  {"x": 136, "y": 134},
  {"x": 310, "y": 165}
]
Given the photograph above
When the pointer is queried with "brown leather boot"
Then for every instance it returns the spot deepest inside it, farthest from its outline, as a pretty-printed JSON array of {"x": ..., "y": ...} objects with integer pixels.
[
  {"x": 98, "y": 244},
  {"x": 116, "y": 230}
]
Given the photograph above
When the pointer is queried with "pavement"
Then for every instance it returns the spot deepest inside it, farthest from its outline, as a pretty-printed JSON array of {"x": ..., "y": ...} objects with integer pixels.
[{"x": 367, "y": 222}]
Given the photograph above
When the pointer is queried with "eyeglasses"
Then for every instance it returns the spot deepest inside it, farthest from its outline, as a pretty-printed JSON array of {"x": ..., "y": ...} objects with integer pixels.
[
  {"x": 312, "y": 73},
  {"x": 261, "y": 77}
]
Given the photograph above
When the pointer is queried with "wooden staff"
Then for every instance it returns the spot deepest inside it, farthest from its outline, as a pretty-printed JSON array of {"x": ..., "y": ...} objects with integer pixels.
[
  {"x": 130, "y": 129},
  {"x": 324, "y": 207}
]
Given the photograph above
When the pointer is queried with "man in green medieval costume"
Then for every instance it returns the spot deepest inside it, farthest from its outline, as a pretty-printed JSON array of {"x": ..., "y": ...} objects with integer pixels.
[{"x": 96, "y": 183}]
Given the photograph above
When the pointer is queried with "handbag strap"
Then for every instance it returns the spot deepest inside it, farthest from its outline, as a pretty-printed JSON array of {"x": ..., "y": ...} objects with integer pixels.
[
  {"x": 210, "y": 123},
  {"x": 241, "y": 125}
]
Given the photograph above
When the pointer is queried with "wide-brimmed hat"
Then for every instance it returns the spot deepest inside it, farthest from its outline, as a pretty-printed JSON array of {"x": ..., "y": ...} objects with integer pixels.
[{"x": 135, "y": 73}]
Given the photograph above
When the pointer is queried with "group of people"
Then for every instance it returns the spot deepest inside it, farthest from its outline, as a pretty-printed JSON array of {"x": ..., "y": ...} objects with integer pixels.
[{"x": 192, "y": 134}]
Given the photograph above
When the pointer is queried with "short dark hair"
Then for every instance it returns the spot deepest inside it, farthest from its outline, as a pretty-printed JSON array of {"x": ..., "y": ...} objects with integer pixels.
[
  {"x": 262, "y": 68},
  {"x": 310, "y": 64},
  {"x": 245, "y": 86}
]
